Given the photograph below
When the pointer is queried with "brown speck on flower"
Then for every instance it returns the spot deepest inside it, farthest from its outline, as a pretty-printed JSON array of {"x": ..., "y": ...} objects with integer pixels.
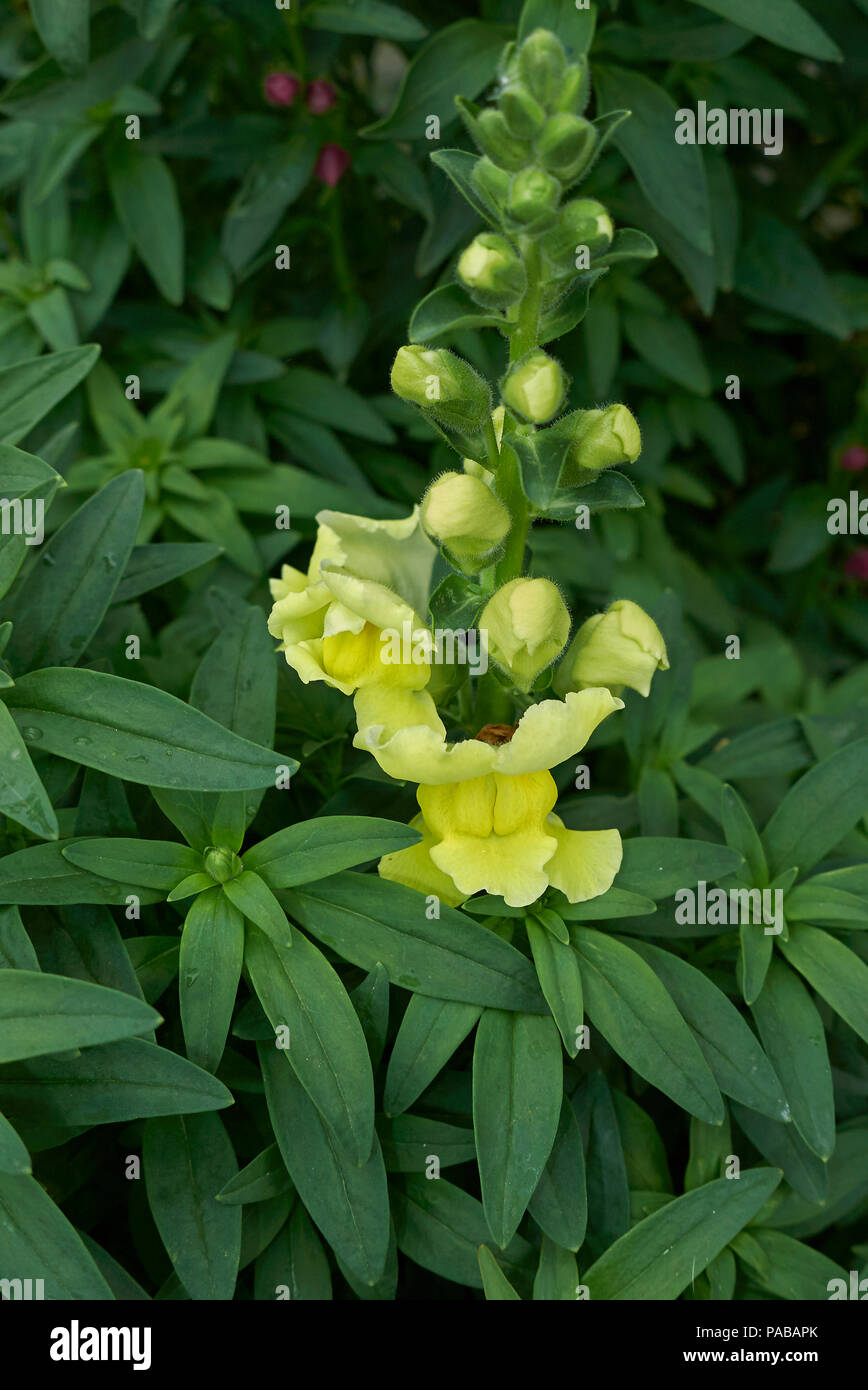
[{"x": 496, "y": 733}]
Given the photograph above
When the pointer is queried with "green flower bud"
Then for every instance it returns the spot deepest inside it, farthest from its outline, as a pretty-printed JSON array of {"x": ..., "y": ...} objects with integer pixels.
[
  {"x": 566, "y": 145},
  {"x": 494, "y": 139},
  {"x": 524, "y": 115},
  {"x": 443, "y": 385},
  {"x": 622, "y": 646},
  {"x": 462, "y": 513},
  {"x": 491, "y": 183},
  {"x": 598, "y": 439},
  {"x": 526, "y": 624},
  {"x": 583, "y": 222},
  {"x": 533, "y": 200},
  {"x": 535, "y": 387},
  {"x": 222, "y": 864},
  {"x": 575, "y": 90},
  {"x": 492, "y": 272},
  {"x": 542, "y": 63}
]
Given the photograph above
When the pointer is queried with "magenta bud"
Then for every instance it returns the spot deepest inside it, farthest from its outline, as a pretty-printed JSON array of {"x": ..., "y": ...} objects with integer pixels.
[
  {"x": 332, "y": 163},
  {"x": 321, "y": 97},
  {"x": 281, "y": 88},
  {"x": 855, "y": 458},
  {"x": 856, "y": 566}
]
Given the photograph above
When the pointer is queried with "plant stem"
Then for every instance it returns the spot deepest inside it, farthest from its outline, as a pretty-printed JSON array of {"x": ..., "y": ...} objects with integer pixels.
[
  {"x": 527, "y": 328},
  {"x": 339, "y": 249},
  {"x": 511, "y": 493}
]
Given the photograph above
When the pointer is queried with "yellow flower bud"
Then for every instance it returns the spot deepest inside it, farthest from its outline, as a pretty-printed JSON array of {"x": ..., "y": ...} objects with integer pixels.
[
  {"x": 463, "y": 514},
  {"x": 598, "y": 439},
  {"x": 526, "y": 625},
  {"x": 444, "y": 385},
  {"x": 622, "y": 646},
  {"x": 535, "y": 387},
  {"x": 490, "y": 269}
]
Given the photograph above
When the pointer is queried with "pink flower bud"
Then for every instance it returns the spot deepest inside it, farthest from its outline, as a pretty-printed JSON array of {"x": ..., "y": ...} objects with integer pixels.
[
  {"x": 332, "y": 163},
  {"x": 321, "y": 97},
  {"x": 281, "y": 88},
  {"x": 855, "y": 458},
  {"x": 856, "y": 566}
]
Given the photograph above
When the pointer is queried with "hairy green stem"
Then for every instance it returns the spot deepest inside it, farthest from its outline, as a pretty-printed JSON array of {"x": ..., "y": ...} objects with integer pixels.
[{"x": 527, "y": 325}]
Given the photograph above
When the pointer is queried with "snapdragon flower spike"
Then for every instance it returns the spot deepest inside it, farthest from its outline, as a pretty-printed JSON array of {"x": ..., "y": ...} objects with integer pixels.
[{"x": 487, "y": 820}]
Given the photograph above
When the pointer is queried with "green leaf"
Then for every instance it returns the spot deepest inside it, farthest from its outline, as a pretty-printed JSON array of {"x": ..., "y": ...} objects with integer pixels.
[
  {"x": 319, "y": 397},
  {"x": 14, "y": 1158},
  {"x": 738, "y": 1063},
  {"x": 517, "y": 1086},
  {"x": 54, "y": 624},
  {"x": 327, "y": 1050},
  {"x": 31, "y": 481},
  {"x": 441, "y": 1227},
  {"x": 458, "y": 166},
  {"x": 658, "y": 1258},
  {"x": 456, "y": 61},
  {"x": 349, "y": 1204},
  {"x": 209, "y": 968},
  {"x": 117, "y": 1081},
  {"x": 560, "y": 979},
  {"x": 22, "y": 796},
  {"x": 742, "y": 836},
  {"x": 48, "y": 1013},
  {"x": 43, "y": 874},
  {"x": 656, "y": 867},
  {"x": 186, "y": 411},
  {"x": 150, "y": 566},
  {"x": 557, "y": 1275},
  {"x": 783, "y": 22},
  {"x": 315, "y": 848},
  {"x": 559, "y": 1204},
  {"x": 794, "y": 1039},
  {"x": 446, "y": 311},
  {"x": 429, "y": 1033},
  {"x": 819, "y": 810},
  {"x": 187, "y": 1160},
  {"x": 782, "y": 1146},
  {"x": 669, "y": 345},
  {"x": 270, "y": 186},
  {"x": 369, "y": 920},
  {"x": 39, "y": 1243},
  {"x": 30, "y": 389},
  {"x": 776, "y": 269},
  {"x": 137, "y": 732},
  {"x": 495, "y": 1284},
  {"x": 671, "y": 176},
  {"x": 159, "y": 864},
  {"x": 264, "y": 1176},
  {"x": 409, "y": 1142},
  {"x": 573, "y": 26},
  {"x": 146, "y": 200},
  {"x": 837, "y": 974},
  {"x": 64, "y": 27},
  {"x": 294, "y": 1261},
  {"x": 639, "y": 1019},
  {"x": 256, "y": 901},
  {"x": 364, "y": 17}
]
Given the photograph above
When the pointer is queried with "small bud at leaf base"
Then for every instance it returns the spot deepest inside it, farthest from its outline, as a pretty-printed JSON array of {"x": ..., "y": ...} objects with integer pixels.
[
  {"x": 533, "y": 199},
  {"x": 535, "y": 387},
  {"x": 443, "y": 385},
  {"x": 527, "y": 623},
  {"x": 463, "y": 514},
  {"x": 622, "y": 646},
  {"x": 566, "y": 145},
  {"x": 492, "y": 271},
  {"x": 222, "y": 864},
  {"x": 524, "y": 115},
  {"x": 598, "y": 439},
  {"x": 542, "y": 63}
]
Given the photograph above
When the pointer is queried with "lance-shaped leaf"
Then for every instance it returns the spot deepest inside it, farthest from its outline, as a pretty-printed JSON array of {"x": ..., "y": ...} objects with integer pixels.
[
  {"x": 559, "y": 1204},
  {"x": 517, "y": 1089},
  {"x": 209, "y": 968},
  {"x": 429, "y": 1033},
  {"x": 137, "y": 732},
  {"x": 42, "y": 1013},
  {"x": 299, "y": 990},
  {"x": 440, "y": 1227},
  {"x": 146, "y": 200},
  {"x": 794, "y": 1039},
  {"x": 819, "y": 810},
  {"x": 837, "y": 974},
  {"x": 447, "y": 310},
  {"x": 22, "y": 796},
  {"x": 316, "y": 848},
  {"x": 30, "y": 389},
  {"x": 159, "y": 864},
  {"x": 40, "y": 1242},
  {"x": 660, "y": 1256}
]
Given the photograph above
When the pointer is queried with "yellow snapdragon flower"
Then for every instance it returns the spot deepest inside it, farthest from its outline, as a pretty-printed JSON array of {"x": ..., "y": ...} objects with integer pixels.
[
  {"x": 366, "y": 578},
  {"x": 487, "y": 820}
]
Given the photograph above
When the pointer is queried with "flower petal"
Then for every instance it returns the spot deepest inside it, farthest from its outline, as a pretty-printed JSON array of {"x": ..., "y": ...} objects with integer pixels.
[
  {"x": 509, "y": 865},
  {"x": 585, "y": 862},
  {"x": 554, "y": 730},
  {"x": 415, "y": 868}
]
